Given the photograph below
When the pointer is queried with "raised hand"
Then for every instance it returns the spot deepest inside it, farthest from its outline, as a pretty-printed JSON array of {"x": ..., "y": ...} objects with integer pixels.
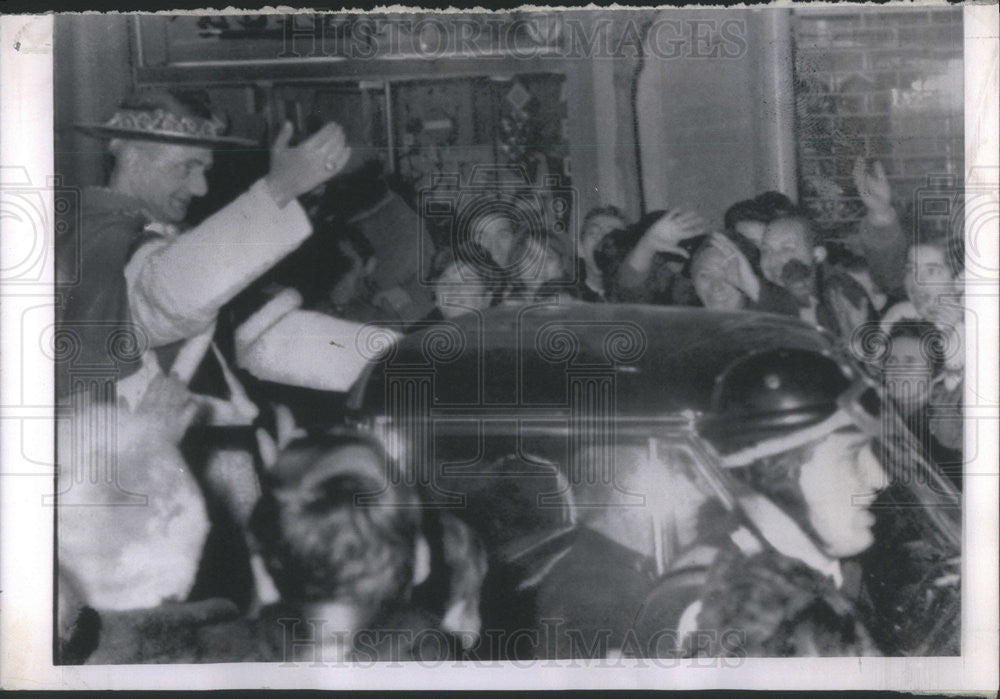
[
  {"x": 673, "y": 227},
  {"x": 743, "y": 276},
  {"x": 874, "y": 189},
  {"x": 296, "y": 171}
]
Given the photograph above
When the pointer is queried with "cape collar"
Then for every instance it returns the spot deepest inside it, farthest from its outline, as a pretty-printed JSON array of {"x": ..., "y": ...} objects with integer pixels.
[{"x": 107, "y": 200}]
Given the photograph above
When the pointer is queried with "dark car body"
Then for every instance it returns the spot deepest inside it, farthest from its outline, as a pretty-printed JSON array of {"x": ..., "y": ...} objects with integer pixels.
[
  {"x": 565, "y": 397},
  {"x": 567, "y": 436}
]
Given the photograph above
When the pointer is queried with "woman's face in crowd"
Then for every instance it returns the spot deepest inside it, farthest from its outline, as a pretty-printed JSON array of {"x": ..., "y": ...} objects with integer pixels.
[
  {"x": 457, "y": 294},
  {"x": 496, "y": 236},
  {"x": 907, "y": 373},
  {"x": 552, "y": 267},
  {"x": 711, "y": 282},
  {"x": 839, "y": 484},
  {"x": 927, "y": 278},
  {"x": 594, "y": 229}
]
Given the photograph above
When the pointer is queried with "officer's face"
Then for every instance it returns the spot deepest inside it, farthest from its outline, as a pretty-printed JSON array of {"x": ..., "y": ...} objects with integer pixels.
[
  {"x": 839, "y": 484},
  {"x": 167, "y": 177}
]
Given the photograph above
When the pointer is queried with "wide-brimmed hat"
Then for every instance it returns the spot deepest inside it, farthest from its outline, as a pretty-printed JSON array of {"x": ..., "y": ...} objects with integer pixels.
[{"x": 166, "y": 117}]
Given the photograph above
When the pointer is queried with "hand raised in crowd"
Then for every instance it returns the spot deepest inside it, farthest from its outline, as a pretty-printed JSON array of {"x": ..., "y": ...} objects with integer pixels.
[
  {"x": 741, "y": 273},
  {"x": 300, "y": 169},
  {"x": 850, "y": 316},
  {"x": 874, "y": 189},
  {"x": 674, "y": 226}
]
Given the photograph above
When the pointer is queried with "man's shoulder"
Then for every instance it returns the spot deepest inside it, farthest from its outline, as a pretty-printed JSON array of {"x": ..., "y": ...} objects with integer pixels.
[{"x": 110, "y": 225}]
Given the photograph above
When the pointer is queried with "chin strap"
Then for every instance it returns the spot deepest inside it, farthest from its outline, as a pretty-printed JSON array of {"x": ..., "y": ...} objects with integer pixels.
[{"x": 784, "y": 535}]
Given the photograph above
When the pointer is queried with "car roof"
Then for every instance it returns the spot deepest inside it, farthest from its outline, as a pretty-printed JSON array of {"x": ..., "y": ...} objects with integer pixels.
[{"x": 651, "y": 361}]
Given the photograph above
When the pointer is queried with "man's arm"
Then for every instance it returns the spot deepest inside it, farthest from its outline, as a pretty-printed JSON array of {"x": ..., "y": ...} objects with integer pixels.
[
  {"x": 880, "y": 236},
  {"x": 662, "y": 236},
  {"x": 176, "y": 287}
]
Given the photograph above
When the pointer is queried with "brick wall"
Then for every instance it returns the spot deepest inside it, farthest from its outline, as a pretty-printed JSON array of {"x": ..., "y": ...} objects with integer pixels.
[{"x": 884, "y": 84}]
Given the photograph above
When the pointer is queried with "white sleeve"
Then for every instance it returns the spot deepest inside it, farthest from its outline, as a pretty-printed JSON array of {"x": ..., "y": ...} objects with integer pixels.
[
  {"x": 176, "y": 287},
  {"x": 309, "y": 349}
]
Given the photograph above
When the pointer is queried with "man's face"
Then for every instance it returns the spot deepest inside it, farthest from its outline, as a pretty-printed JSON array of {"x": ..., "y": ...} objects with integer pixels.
[
  {"x": 927, "y": 278},
  {"x": 839, "y": 484},
  {"x": 787, "y": 259},
  {"x": 712, "y": 282},
  {"x": 166, "y": 177},
  {"x": 593, "y": 230},
  {"x": 751, "y": 230},
  {"x": 907, "y": 374}
]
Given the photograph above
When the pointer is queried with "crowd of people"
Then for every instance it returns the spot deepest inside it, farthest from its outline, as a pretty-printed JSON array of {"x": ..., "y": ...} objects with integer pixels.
[
  {"x": 288, "y": 501},
  {"x": 891, "y": 297}
]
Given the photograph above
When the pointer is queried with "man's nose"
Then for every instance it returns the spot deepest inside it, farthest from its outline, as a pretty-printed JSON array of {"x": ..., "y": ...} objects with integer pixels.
[
  {"x": 198, "y": 185},
  {"x": 870, "y": 471}
]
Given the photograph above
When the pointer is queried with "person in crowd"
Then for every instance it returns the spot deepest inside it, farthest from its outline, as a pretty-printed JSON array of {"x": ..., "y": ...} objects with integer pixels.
[
  {"x": 913, "y": 377},
  {"x": 934, "y": 291},
  {"x": 746, "y": 220},
  {"x": 342, "y": 535},
  {"x": 495, "y": 232},
  {"x": 933, "y": 283},
  {"x": 599, "y": 222},
  {"x": 535, "y": 261},
  {"x": 366, "y": 200},
  {"x": 879, "y": 239},
  {"x": 792, "y": 257},
  {"x": 716, "y": 286},
  {"x": 913, "y": 358},
  {"x": 724, "y": 280},
  {"x": 348, "y": 290},
  {"x": 649, "y": 253},
  {"x": 843, "y": 258},
  {"x": 453, "y": 590},
  {"x": 775, "y": 204},
  {"x": 466, "y": 279}
]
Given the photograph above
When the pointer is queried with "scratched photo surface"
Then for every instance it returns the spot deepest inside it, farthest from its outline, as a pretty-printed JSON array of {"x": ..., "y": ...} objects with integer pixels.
[{"x": 528, "y": 336}]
